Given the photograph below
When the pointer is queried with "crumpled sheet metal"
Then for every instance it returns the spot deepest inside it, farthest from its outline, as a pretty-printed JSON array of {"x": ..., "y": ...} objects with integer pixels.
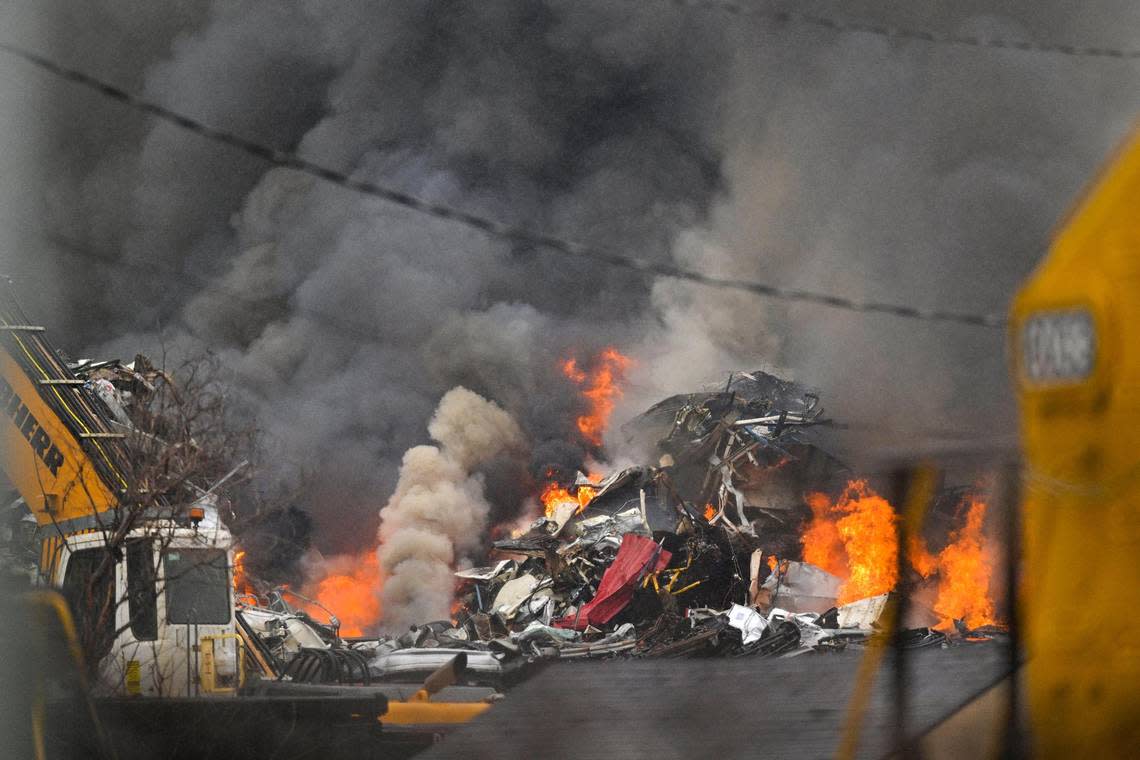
[
  {"x": 637, "y": 557},
  {"x": 562, "y": 515},
  {"x": 486, "y": 573},
  {"x": 811, "y": 634},
  {"x": 536, "y": 631},
  {"x": 802, "y": 587},
  {"x": 623, "y": 639},
  {"x": 748, "y": 621},
  {"x": 862, "y": 614},
  {"x": 513, "y": 594}
]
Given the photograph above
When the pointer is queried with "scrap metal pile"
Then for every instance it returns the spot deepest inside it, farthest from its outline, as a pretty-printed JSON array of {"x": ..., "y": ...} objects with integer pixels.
[
  {"x": 696, "y": 556},
  {"x": 699, "y": 554}
]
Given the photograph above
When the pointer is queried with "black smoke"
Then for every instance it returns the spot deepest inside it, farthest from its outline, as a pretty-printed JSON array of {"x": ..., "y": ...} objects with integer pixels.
[
  {"x": 342, "y": 320},
  {"x": 845, "y": 163}
]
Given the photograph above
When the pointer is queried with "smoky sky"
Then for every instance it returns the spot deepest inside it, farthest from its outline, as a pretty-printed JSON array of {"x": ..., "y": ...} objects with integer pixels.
[{"x": 845, "y": 163}]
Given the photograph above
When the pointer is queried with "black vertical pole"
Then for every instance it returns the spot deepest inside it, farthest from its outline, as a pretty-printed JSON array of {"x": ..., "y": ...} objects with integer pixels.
[
  {"x": 1010, "y": 498},
  {"x": 900, "y": 483}
]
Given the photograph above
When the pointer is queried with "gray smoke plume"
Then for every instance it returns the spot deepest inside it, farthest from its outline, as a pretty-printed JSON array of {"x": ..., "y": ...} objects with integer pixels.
[
  {"x": 438, "y": 514},
  {"x": 845, "y": 163},
  {"x": 895, "y": 171},
  {"x": 343, "y": 320}
]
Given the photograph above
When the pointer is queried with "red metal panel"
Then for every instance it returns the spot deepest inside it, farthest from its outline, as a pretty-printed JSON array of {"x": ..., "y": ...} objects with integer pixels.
[{"x": 637, "y": 557}]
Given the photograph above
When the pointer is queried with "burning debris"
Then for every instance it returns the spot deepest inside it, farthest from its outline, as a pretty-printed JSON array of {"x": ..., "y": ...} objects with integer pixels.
[
  {"x": 346, "y": 587},
  {"x": 965, "y": 567},
  {"x": 601, "y": 388},
  {"x": 747, "y": 537},
  {"x": 854, "y": 537},
  {"x": 741, "y": 535}
]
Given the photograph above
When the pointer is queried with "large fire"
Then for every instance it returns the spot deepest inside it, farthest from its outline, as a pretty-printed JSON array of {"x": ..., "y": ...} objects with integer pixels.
[
  {"x": 601, "y": 387},
  {"x": 965, "y": 572},
  {"x": 554, "y": 495},
  {"x": 353, "y": 596},
  {"x": 855, "y": 538}
]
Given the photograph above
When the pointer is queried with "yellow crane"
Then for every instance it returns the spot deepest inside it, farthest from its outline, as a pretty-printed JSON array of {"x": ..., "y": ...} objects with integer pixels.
[
  {"x": 153, "y": 592},
  {"x": 69, "y": 463},
  {"x": 60, "y": 451},
  {"x": 1075, "y": 344}
]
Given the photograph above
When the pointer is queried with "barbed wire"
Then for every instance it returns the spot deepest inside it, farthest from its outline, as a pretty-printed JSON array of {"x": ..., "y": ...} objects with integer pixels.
[
  {"x": 801, "y": 18},
  {"x": 487, "y": 225}
]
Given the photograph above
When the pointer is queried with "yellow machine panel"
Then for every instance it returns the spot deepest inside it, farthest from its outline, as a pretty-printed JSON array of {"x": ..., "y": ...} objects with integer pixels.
[
  {"x": 60, "y": 450},
  {"x": 1075, "y": 345},
  {"x": 42, "y": 457}
]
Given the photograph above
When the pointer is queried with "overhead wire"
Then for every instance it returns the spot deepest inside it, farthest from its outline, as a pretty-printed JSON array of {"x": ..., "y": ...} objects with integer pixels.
[
  {"x": 934, "y": 442},
  {"x": 830, "y": 23},
  {"x": 252, "y": 384},
  {"x": 70, "y": 247},
  {"x": 493, "y": 227}
]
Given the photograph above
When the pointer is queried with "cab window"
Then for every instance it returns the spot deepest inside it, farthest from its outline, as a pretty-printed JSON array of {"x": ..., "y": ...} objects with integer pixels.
[
  {"x": 89, "y": 588},
  {"x": 197, "y": 586},
  {"x": 142, "y": 596}
]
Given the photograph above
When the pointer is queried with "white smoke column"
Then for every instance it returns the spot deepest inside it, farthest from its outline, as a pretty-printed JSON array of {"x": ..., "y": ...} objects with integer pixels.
[{"x": 438, "y": 512}]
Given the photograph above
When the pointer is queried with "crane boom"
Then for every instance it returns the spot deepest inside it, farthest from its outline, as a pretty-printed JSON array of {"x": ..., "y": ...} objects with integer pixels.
[{"x": 60, "y": 451}]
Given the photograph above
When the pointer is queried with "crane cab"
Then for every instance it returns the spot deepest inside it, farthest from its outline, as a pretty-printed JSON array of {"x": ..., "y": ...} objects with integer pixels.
[
  {"x": 162, "y": 621},
  {"x": 150, "y": 584}
]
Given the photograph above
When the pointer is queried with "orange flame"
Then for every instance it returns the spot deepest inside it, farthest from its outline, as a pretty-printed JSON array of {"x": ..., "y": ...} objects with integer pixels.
[
  {"x": 965, "y": 569},
  {"x": 710, "y": 512},
  {"x": 823, "y": 546},
  {"x": 353, "y": 596},
  {"x": 855, "y": 539},
  {"x": 555, "y": 495},
  {"x": 601, "y": 388},
  {"x": 923, "y": 562},
  {"x": 868, "y": 533},
  {"x": 241, "y": 584}
]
